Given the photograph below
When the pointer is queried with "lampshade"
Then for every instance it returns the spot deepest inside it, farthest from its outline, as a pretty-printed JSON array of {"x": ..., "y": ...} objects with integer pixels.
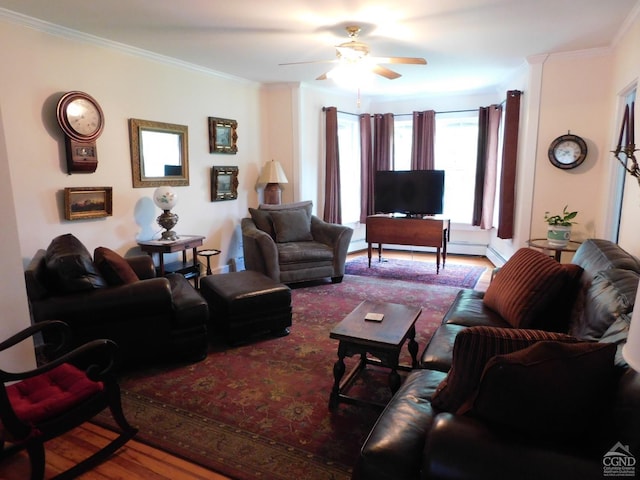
[
  {"x": 272, "y": 172},
  {"x": 165, "y": 197},
  {"x": 631, "y": 350}
]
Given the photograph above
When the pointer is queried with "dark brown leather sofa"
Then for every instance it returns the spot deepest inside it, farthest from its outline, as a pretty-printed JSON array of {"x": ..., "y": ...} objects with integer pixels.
[
  {"x": 413, "y": 439},
  {"x": 148, "y": 317}
]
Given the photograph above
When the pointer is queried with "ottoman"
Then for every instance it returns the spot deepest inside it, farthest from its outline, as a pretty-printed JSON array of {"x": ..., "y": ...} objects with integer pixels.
[{"x": 246, "y": 303}]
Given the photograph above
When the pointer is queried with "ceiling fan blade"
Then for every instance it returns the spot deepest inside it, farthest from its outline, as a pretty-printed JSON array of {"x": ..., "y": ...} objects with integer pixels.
[
  {"x": 313, "y": 61},
  {"x": 385, "y": 72},
  {"x": 406, "y": 60}
]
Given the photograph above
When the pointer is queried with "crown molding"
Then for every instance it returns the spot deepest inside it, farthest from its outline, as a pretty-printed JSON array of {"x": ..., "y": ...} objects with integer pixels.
[
  {"x": 629, "y": 20},
  {"x": 75, "y": 35}
]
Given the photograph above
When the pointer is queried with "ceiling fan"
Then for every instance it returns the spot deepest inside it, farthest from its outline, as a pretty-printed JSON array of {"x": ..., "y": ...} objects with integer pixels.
[{"x": 355, "y": 52}]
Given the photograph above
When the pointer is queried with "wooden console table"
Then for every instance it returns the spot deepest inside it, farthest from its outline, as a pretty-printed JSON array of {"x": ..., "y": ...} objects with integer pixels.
[
  {"x": 182, "y": 244},
  {"x": 423, "y": 232}
]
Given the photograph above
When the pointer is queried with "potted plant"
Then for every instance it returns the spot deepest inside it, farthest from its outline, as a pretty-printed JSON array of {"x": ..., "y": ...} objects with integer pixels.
[{"x": 559, "y": 231}]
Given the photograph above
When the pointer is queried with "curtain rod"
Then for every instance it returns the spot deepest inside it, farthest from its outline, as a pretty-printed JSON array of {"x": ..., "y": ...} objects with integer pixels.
[{"x": 324, "y": 109}]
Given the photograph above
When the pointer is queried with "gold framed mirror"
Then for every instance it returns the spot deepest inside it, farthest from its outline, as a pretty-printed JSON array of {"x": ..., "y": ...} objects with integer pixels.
[{"x": 159, "y": 153}]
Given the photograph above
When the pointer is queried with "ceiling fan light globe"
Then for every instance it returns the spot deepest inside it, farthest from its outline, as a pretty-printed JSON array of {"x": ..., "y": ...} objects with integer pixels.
[
  {"x": 351, "y": 75},
  {"x": 350, "y": 54}
]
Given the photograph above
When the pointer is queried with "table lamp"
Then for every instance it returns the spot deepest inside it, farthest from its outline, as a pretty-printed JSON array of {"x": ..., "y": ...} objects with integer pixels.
[
  {"x": 166, "y": 198},
  {"x": 273, "y": 176},
  {"x": 631, "y": 350}
]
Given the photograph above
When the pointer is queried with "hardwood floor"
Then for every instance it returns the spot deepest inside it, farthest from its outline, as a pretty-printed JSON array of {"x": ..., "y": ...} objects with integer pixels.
[{"x": 137, "y": 461}]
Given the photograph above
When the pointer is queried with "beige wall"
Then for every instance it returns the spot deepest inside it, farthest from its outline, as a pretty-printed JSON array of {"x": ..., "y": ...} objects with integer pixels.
[
  {"x": 574, "y": 98},
  {"x": 278, "y": 121},
  {"x": 13, "y": 297},
  {"x": 625, "y": 73},
  {"x": 127, "y": 86}
]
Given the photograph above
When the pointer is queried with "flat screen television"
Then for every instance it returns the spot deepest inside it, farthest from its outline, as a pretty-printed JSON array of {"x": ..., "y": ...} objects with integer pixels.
[{"x": 410, "y": 192}]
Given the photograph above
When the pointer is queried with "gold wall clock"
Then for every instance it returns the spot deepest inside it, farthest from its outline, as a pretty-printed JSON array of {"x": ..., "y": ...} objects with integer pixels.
[
  {"x": 567, "y": 151},
  {"x": 82, "y": 121}
]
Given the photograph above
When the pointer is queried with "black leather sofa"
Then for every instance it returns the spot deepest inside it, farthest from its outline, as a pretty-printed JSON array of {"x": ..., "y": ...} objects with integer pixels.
[
  {"x": 150, "y": 318},
  {"x": 413, "y": 439}
]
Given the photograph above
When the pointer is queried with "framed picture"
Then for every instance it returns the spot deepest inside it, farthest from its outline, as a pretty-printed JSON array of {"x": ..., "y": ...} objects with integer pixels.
[
  {"x": 88, "y": 202},
  {"x": 159, "y": 153},
  {"x": 222, "y": 135},
  {"x": 224, "y": 183}
]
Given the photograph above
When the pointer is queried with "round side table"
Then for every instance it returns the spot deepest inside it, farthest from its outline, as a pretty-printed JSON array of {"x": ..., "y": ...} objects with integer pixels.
[
  {"x": 208, "y": 253},
  {"x": 543, "y": 244}
]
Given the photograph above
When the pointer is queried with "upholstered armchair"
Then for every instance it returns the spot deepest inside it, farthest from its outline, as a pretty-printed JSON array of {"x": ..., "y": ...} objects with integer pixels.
[
  {"x": 150, "y": 318},
  {"x": 289, "y": 244}
]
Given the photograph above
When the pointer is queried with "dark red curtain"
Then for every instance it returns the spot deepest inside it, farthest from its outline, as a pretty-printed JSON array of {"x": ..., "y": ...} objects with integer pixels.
[
  {"x": 383, "y": 141},
  {"x": 332, "y": 168},
  {"x": 506, "y": 218},
  {"x": 486, "y": 166},
  {"x": 422, "y": 146},
  {"x": 382, "y": 149},
  {"x": 366, "y": 168}
]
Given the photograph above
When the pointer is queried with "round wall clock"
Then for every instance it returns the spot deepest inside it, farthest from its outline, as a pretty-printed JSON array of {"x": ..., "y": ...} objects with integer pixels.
[
  {"x": 82, "y": 121},
  {"x": 567, "y": 151}
]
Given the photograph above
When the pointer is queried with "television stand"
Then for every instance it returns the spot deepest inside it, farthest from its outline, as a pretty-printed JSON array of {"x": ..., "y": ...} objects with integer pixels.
[{"x": 423, "y": 232}]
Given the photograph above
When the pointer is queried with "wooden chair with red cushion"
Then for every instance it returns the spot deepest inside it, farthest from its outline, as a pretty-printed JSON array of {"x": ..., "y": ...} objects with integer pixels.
[{"x": 57, "y": 396}]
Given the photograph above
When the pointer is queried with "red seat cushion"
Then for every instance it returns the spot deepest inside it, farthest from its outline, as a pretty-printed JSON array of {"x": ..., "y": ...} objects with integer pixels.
[{"x": 39, "y": 398}]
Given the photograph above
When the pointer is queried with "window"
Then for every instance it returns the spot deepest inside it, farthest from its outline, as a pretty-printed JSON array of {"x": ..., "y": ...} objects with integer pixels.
[
  {"x": 349, "y": 148},
  {"x": 456, "y": 148},
  {"x": 402, "y": 139},
  {"x": 456, "y": 152}
]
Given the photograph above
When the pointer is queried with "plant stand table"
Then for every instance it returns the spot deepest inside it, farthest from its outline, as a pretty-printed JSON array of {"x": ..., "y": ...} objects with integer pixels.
[
  {"x": 382, "y": 340},
  {"x": 543, "y": 244},
  {"x": 208, "y": 253}
]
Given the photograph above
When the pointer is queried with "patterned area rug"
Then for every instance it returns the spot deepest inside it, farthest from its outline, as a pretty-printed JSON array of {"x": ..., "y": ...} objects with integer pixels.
[
  {"x": 260, "y": 411},
  {"x": 452, "y": 275}
]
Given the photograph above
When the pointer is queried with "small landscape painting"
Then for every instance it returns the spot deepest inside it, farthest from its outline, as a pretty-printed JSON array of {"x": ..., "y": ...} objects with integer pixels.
[{"x": 87, "y": 202}]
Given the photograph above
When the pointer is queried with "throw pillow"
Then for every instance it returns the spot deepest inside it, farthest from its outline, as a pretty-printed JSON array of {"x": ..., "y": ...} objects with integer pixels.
[
  {"x": 472, "y": 349},
  {"x": 550, "y": 389},
  {"x": 262, "y": 219},
  {"x": 559, "y": 312},
  {"x": 291, "y": 226},
  {"x": 115, "y": 269},
  {"x": 525, "y": 286},
  {"x": 306, "y": 205},
  {"x": 70, "y": 266}
]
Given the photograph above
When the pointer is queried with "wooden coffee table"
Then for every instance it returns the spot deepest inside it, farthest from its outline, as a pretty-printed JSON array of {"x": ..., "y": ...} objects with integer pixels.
[{"x": 381, "y": 340}]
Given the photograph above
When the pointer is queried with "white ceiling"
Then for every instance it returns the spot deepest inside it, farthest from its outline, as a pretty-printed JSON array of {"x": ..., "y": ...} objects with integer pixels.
[{"x": 470, "y": 45}]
